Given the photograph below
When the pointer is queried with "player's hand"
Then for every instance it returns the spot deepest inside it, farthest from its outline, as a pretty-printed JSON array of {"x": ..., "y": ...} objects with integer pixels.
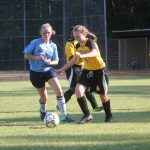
[
  {"x": 42, "y": 55},
  {"x": 78, "y": 55},
  {"x": 47, "y": 61},
  {"x": 59, "y": 71}
]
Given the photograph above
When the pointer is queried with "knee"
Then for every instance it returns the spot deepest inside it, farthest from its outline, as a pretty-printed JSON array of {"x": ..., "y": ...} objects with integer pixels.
[
  {"x": 104, "y": 98},
  {"x": 43, "y": 95},
  {"x": 79, "y": 92},
  {"x": 42, "y": 100},
  {"x": 59, "y": 93},
  {"x": 76, "y": 90}
]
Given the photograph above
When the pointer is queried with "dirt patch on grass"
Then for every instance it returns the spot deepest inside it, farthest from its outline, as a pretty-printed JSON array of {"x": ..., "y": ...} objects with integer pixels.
[
  {"x": 14, "y": 75},
  {"x": 24, "y": 75},
  {"x": 130, "y": 73}
]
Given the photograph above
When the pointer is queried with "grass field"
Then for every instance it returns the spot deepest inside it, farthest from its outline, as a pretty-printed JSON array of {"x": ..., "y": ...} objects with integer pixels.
[{"x": 21, "y": 128}]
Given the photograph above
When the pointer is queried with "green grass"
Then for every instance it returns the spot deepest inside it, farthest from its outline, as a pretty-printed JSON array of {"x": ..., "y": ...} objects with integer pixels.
[{"x": 21, "y": 128}]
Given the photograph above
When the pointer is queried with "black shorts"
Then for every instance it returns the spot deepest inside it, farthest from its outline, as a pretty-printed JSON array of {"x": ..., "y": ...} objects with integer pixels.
[
  {"x": 95, "y": 80},
  {"x": 73, "y": 74},
  {"x": 38, "y": 79}
]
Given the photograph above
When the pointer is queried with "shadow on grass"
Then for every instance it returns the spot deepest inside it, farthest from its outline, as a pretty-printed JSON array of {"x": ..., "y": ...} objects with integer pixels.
[
  {"x": 25, "y": 92},
  {"x": 119, "y": 117},
  {"x": 79, "y": 142},
  {"x": 124, "y": 90},
  {"x": 129, "y": 117},
  {"x": 129, "y": 90},
  {"x": 20, "y": 121}
]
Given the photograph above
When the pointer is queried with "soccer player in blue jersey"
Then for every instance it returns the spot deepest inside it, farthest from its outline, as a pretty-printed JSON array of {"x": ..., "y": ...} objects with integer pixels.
[{"x": 43, "y": 55}]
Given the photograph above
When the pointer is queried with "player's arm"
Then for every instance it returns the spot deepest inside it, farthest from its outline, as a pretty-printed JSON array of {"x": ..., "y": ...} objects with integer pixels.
[
  {"x": 70, "y": 57},
  {"x": 32, "y": 57},
  {"x": 93, "y": 47},
  {"x": 92, "y": 53},
  {"x": 53, "y": 60},
  {"x": 29, "y": 50},
  {"x": 69, "y": 63},
  {"x": 49, "y": 62}
]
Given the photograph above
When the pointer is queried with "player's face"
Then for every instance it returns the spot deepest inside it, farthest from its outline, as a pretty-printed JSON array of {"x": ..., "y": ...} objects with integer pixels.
[
  {"x": 46, "y": 33},
  {"x": 79, "y": 36}
]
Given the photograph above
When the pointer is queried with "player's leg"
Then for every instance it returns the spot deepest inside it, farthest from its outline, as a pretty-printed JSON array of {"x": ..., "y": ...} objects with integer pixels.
[
  {"x": 92, "y": 101},
  {"x": 38, "y": 82},
  {"x": 68, "y": 94},
  {"x": 103, "y": 86},
  {"x": 72, "y": 75},
  {"x": 107, "y": 108},
  {"x": 54, "y": 83},
  {"x": 71, "y": 90},
  {"x": 42, "y": 101},
  {"x": 80, "y": 90}
]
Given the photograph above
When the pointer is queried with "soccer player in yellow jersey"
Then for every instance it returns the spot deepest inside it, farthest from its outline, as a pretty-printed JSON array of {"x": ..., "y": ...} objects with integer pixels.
[
  {"x": 74, "y": 72},
  {"x": 93, "y": 76}
]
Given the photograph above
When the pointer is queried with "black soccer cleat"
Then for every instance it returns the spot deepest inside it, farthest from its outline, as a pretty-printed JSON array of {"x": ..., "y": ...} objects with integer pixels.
[
  {"x": 108, "y": 119},
  {"x": 98, "y": 108}
]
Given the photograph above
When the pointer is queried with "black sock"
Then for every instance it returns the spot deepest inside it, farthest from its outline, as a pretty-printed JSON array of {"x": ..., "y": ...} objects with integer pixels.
[
  {"x": 107, "y": 108},
  {"x": 91, "y": 99},
  {"x": 68, "y": 94},
  {"x": 83, "y": 105}
]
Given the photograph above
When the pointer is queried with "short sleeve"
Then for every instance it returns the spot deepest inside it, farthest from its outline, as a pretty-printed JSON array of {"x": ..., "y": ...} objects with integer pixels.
[
  {"x": 29, "y": 49},
  {"x": 55, "y": 53}
]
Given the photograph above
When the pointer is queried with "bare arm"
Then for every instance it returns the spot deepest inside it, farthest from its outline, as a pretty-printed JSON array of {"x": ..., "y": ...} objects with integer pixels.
[
  {"x": 41, "y": 57},
  {"x": 49, "y": 62},
  {"x": 69, "y": 64},
  {"x": 32, "y": 57},
  {"x": 93, "y": 53}
]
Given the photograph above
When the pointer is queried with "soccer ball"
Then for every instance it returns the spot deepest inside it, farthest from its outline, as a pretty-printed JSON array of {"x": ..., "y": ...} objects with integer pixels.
[{"x": 51, "y": 120}]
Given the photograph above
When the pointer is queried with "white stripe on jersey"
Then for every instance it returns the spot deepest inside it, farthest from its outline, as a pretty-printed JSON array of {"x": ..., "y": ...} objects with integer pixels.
[
  {"x": 104, "y": 83},
  {"x": 70, "y": 77}
]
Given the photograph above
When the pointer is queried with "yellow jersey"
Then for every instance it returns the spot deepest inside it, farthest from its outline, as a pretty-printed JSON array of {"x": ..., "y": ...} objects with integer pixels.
[
  {"x": 91, "y": 63},
  {"x": 70, "y": 51}
]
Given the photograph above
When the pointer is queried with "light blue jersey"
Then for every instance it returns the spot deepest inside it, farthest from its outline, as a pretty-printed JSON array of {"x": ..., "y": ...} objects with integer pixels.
[{"x": 36, "y": 47}]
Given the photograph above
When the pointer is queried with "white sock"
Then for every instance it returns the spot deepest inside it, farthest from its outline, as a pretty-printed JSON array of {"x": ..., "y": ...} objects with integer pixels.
[
  {"x": 42, "y": 107},
  {"x": 61, "y": 104}
]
